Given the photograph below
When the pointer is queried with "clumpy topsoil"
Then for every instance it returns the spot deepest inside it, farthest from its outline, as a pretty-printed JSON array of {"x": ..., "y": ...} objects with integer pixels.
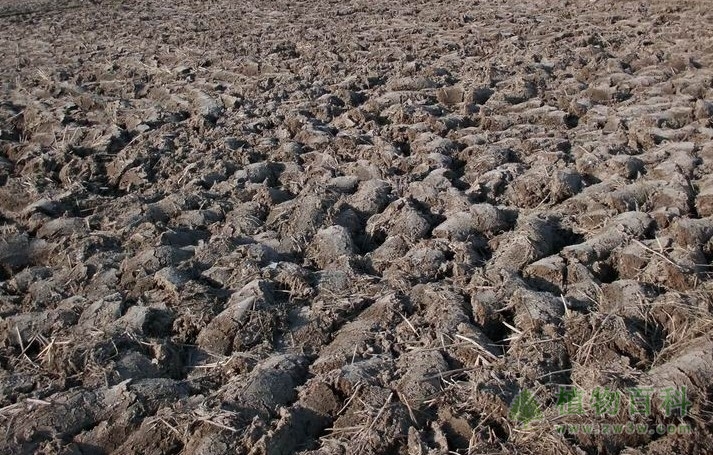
[{"x": 354, "y": 227}]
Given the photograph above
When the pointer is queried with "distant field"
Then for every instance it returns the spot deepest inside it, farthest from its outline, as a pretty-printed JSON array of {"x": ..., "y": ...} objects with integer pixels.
[{"x": 13, "y": 8}]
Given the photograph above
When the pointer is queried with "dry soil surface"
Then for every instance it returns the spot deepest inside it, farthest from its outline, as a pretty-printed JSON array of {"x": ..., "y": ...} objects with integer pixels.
[{"x": 352, "y": 227}]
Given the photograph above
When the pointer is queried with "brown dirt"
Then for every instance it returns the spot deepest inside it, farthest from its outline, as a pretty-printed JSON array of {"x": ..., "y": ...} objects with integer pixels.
[{"x": 351, "y": 227}]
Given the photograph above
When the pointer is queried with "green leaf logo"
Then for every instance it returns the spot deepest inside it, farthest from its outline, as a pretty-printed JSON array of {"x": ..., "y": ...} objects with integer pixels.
[{"x": 525, "y": 408}]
